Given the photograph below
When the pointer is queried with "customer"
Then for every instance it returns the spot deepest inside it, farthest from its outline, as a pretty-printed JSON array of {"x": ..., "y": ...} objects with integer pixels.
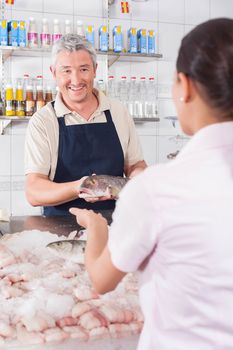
[
  {"x": 81, "y": 133},
  {"x": 174, "y": 223}
]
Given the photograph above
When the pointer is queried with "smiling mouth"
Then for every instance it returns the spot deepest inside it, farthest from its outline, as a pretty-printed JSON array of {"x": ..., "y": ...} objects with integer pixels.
[{"x": 79, "y": 88}]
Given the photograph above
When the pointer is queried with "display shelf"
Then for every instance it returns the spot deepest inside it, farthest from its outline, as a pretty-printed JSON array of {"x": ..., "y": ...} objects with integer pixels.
[
  {"x": 23, "y": 119},
  {"x": 129, "y": 57},
  {"x": 14, "y": 118},
  {"x": 146, "y": 120},
  {"x": 8, "y": 51},
  {"x": 5, "y": 121}
]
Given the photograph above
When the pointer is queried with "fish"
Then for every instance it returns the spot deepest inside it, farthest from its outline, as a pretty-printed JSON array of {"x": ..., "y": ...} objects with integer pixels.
[
  {"x": 102, "y": 186},
  {"x": 69, "y": 249}
]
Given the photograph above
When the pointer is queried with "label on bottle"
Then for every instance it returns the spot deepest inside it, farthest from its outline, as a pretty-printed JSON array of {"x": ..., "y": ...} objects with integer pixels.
[
  {"x": 56, "y": 37},
  {"x": 9, "y": 108},
  {"x": 19, "y": 109},
  {"x": 45, "y": 39},
  {"x": 30, "y": 107},
  {"x": 151, "y": 41},
  {"x": 32, "y": 39},
  {"x": 103, "y": 38},
  {"x": 39, "y": 104},
  {"x": 117, "y": 39}
]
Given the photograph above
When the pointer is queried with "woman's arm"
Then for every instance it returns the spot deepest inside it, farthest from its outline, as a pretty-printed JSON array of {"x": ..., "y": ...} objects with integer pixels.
[{"x": 103, "y": 274}]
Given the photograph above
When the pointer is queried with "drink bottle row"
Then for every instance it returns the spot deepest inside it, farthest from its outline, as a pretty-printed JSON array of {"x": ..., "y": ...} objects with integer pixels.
[
  {"x": 139, "y": 96},
  {"x": 26, "y": 97},
  {"x": 43, "y": 34}
]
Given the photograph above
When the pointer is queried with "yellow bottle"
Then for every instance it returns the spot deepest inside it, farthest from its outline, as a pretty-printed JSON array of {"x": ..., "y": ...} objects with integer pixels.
[
  {"x": 20, "y": 104},
  {"x": 9, "y": 100}
]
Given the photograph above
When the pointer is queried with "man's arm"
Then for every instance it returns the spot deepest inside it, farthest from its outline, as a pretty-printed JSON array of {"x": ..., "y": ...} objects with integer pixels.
[
  {"x": 40, "y": 191},
  {"x": 135, "y": 169}
]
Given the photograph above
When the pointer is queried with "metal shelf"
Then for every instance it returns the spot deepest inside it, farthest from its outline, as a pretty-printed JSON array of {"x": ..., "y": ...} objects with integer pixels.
[
  {"x": 146, "y": 120},
  {"x": 129, "y": 57},
  {"x": 8, "y": 51},
  {"x": 14, "y": 118}
]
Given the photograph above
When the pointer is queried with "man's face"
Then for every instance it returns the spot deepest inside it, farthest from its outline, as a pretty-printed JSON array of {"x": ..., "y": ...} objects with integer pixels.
[{"x": 74, "y": 73}]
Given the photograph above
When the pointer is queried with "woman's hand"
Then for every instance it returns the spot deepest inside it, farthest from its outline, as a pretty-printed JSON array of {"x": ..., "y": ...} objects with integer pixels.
[{"x": 88, "y": 218}]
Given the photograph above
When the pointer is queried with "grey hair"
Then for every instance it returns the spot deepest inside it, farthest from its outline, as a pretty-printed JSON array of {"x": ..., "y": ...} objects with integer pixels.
[{"x": 71, "y": 43}]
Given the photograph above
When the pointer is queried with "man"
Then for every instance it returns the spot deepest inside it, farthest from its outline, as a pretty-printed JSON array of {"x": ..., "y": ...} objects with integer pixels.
[{"x": 82, "y": 132}]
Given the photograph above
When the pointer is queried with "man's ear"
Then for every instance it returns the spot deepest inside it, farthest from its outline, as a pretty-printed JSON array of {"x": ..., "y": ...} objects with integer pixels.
[
  {"x": 95, "y": 70},
  {"x": 52, "y": 70}
]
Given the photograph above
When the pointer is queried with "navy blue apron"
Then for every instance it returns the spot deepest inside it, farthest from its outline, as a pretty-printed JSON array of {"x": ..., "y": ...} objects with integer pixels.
[{"x": 86, "y": 149}]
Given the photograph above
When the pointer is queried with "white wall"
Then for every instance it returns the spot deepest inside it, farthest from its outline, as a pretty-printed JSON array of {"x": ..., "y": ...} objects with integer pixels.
[{"x": 171, "y": 19}]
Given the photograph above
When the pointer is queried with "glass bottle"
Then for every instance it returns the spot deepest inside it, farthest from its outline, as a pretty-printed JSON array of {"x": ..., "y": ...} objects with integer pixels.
[
  {"x": 30, "y": 102},
  {"x": 32, "y": 33},
  {"x": 123, "y": 90},
  {"x": 133, "y": 97},
  {"x": 150, "y": 102},
  {"x": 19, "y": 99},
  {"x": 68, "y": 29},
  {"x": 40, "y": 102},
  {"x": 111, "y": 86},
  {"x": 142, "y": 97},
  {"x": 9, "y": 100},
  {"x": 48, "y": 94},
  {"x": 101, "y": 86},
  {"x": 1, "y": 105},
  {"x": 45, "y": 36},
  {"x": 56, "y": 30},
  {"x": 80, "y": 28}
]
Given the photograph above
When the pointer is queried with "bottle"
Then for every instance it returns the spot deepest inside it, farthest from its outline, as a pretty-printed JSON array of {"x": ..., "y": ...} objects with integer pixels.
[
  {"x": 29, "y": 102},
  {"x": 45, "y": 37},
  {"x": 101, "y": 86},
  {"x": 150, "y": 102},
  {"x": 68, "y": 29},
  {"x": 1, "y": 105},
  {"x": 48, "y": 94},
  {"x": 9, "y": 100},
  {"x": 90, "y": 35},
  {"x": 133, "y": 97},
  {"x": 103, "y": 38},
  {"x": 25, "y": 83},
  {"x": 111, "y": 86},
  {"x": 56, "y": 30},
  {"x": 19, "y": 99},
  {"x": 32, "y": 33},
  {"x": 142, "y": 91},
  {"x": 123, "y": 90},
  {"x": 80, "y": 29},
  {"x": 40, "y": 102},
  {"x": 117, "y": 39}
]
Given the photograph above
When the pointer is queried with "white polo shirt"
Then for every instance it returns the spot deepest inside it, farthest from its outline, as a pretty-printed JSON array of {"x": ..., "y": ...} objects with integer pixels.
[
  {"x": 174, "y": 223},
  {"x": 41, "y": 144}
]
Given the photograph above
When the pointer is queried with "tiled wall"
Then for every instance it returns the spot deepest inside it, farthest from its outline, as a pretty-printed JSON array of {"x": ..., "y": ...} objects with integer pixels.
[{"x": 171, "y": 19}]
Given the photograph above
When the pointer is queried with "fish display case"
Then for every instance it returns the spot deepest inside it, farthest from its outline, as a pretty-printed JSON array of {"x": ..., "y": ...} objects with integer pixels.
[{"x": 47, "y": 301}]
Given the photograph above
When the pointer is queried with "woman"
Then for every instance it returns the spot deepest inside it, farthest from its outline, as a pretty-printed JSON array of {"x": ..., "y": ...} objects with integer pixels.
[{"x": 174, "y": 222}]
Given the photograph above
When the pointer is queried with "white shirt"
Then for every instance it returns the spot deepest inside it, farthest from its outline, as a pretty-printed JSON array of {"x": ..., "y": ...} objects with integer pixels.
[
  {"x": 174, "y": 222},
  {"x": 41, "y": 144}
]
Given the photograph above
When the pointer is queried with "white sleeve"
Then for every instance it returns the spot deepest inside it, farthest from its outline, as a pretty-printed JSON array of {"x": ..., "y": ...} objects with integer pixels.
[
  {"x": 136, "y": 223},
  {"x": 37, "y": 157}
]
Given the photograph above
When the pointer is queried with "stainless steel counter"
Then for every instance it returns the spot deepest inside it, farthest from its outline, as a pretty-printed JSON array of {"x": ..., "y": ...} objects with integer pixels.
[{"x": 61, "y": 225}]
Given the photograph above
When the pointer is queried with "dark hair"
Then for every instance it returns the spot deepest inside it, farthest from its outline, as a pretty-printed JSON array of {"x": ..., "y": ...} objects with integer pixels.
[{"x": 206, "y": 56}]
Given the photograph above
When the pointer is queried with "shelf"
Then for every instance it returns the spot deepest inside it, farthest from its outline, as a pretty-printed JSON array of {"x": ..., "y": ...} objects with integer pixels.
[
  {"x": 14, "y": 118},
  {"x": 112, "y": 56},
  {"x": 129, "y": 57},
  {"x": 146, "y": 120},
  {"x": 24, "y": 119}
]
